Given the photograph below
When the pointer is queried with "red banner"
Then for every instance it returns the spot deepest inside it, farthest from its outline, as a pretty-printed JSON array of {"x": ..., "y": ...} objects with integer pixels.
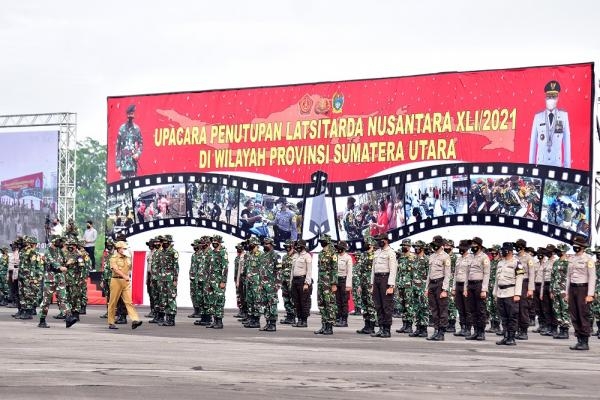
[
  {"x": 35, "y": 181},
  {"x": 356, "y": 129}
]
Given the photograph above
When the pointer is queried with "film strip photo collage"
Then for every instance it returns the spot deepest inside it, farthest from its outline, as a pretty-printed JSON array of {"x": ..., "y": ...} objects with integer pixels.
[{"x": 554, "y": 202}]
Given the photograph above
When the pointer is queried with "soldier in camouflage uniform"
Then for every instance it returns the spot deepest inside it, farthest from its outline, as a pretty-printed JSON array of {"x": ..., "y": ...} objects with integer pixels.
[
  {"x": 253, "y": 293},
  {"x": 327, "y": 285},
  {"x": 240, "y": 278},
  {"x": 75, "y": 264},
  {"x": 106, "y": 273},
  {"x": 595, "y": 306},
  {"x": 270, "y": 280},
  {"x": 4, "y": 288},
  {"x": 217, "y": 280},
  {"x": 168, "y": 275},
  {"x": 492, "y": 309},
  {"x": 364, "y": 265},
  {"x": 85, "y": 272},
  {"x": 129, "y": 146},
  {"x": 31, "y": 271},
  {"x": 558, "y": 281},
  {"x": 547, "y": 266},
  {"x": 202, "y": 281},
  {"x": 287, "y": 262},
  {"x": 356, "y": 296},
  {"x": 452, "y": 311},
  {"x": 419, "y": 310},
  {"x": 55, "y": 283},
  {"x": 194, "y": 264},
  {"x": 403, "y": 285},
  {"x": 150, "y": 287},
  {"x": 157, "y": 259}
]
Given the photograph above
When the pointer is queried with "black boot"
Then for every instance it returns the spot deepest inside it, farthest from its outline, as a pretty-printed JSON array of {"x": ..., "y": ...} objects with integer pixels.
[
  {"x": 169, "y": 320},
  {"x": 480, "y": 334},
  {"x": 43, "y": 323},
  {"x": 522, "y": 335},
  {"x": 404, "y": 328},
  {"x": 440, "y": 335},
  {"x": 551, "y": 331},
  {"x": 503, "y": 340},
  {"x": 434, "y": 335},
  {"x": 288, "y": 320},
  {"x": 218, "y": 323},
  {"x": 584, "y": 343},
  {"x": 211, "y": 323},
  {"x": 563, "y": 333},
  {"x": 342, "y": 323},
  {"x": 494, "y": 327},
  {"x": 578, "y": 345},
  {"x": 320, "y": 331},
  {"x": 386, "y": 331},
  {"x": 510, "y": 339},
  {"x": 420, "y": 331},
  {"x": 328, "y": 329},
  {"x": 463, "y": 331},
  {"x": 379, "y": 332},
  {"x": 158, "y": 318},
  {"x": 451, "y": 328},
  {"x": 70, "y": 320},
  {"x": 253, "y": 322},
  {"x": 195, "y": 314},
  {"x": 83, "y": 311},
  {"x": 474, "y": 335},
  {"x": 367, "y": 329},
  {"x": 302, "y": 323},
  {"x": 205, "y": 320}
]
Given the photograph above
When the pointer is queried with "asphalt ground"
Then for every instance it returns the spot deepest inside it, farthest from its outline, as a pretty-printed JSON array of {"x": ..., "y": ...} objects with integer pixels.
[{"x": 89, "y": 361}]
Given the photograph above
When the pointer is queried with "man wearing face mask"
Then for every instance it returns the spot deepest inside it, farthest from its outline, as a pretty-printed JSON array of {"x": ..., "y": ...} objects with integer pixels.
[
  {"x": 287, "y": 264},
  {"x": 217, "y": 279},
  {"x": 344, "y": 283},
  {"x": 129, "y": 146},
  {"x": 168, "y": 276},
  {"x": 540, "y": 254},
  {"x": 364, "y": 266},
  {"x": 558, "y": 281},
  {"x": 458, "y": 289},
  {"x": 452, "y": 312},
  {"x": 478, "y": 276},
  {"x": 120, "y": 286},
  {"x": 528, "y": 288},
  {"x": 492, "y": 310},
  {"x": 253, "y": 292},
  {"x": 418, "y": 305},
  {"x": 270, "y": 276},
  {"x": 550, "y": 142},
  {"x": 507, "y": 291},
  {"x": 240, "y": 277},
  {"x": 580, "y": 287},
  {"x": 202, "y": 278},
  {"x": 383, "y": 281},
  {"x": 436, "y": 287},
  {"x": 301, "y": 283},
  {"x": 403, "y": 285},
  {"x": 545, "y": 297},
  {"x": 327, "y": 285}
]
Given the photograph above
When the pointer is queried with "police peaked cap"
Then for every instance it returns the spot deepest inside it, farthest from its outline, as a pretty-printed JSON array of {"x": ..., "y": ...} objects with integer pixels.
[
  {"x": 438, "y": 241},
  {"x": 508, "y": 246},
  {"x": 552, "y": 87},
  {"x": 477, "y": 240},
  {"x": 580, "y": 241},
  {"x": 131, "y": 108}
]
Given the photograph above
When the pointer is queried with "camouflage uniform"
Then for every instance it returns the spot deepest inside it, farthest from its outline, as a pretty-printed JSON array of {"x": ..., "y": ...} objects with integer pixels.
[
  {"x": 75, "y": 264},
  {"x": 595, "y": 306},
  {"x": 253, "y": 293},
  {"x": 85, "y": 272},
  {"x": 356, "y": 295},
  {"x": 240, "y": 277},
  {"x": 286, "y": 283},
  {"x": 452, "y": 310},
  {"x": 31, "y": 270},
  {"x": 217, "y": 278},
  {"x": 364, "y": 265},
  {"x": 193, "y": 276},
  {"x": 418, "y": 310},
  {"x": 404, "y": 285},
  {"x": 168, "y": 275},
  {"x": 150, "y": 287},
  {"x": 491, "y": 304},
  {"x": 558, "y": 281},
  {"x": 270, "y": 280},
  {"x": 4, "y": 288},
  {"x": 129, "y": 147},
  {"x": 202, "y": 282},
  {"x": 327, "y": 279},
  {"x": 55, "y": 282},
  {"x": 157, "y": 257}
]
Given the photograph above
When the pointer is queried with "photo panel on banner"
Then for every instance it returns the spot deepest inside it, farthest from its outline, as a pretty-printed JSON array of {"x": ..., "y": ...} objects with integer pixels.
[
  {"x": 566, "y": 205},
  {"x": 119, "y": 213},
  {"x": 159, "y": 202},
  {"x": 436, "y": 197},
  {"x": 212, "y": 201}
]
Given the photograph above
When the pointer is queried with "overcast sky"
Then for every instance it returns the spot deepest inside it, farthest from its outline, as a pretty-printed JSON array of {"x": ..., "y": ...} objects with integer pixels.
[{"x": 70, "y": 55}]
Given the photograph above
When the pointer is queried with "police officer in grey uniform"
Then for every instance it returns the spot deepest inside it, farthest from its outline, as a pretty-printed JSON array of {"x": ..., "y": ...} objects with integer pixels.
[
  {"x": 478, "y": 279},
  {"x": 344, "y": 283},
  {"x": 436, "y": 288},
  {"x": 302, "y": 283},
  {"x": 581, "y": 284},
  {"x": 528, "y": 288},
  {"x": 550, "y": 142},
  {"x": 507, "y": 291},
  {"x": 458, "y": 288},
  {"x": 383, "y": 281}
]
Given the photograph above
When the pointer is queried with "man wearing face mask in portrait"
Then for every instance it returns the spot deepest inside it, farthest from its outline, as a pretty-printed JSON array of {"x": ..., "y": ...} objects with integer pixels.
[{"x": 550, "y": 142}]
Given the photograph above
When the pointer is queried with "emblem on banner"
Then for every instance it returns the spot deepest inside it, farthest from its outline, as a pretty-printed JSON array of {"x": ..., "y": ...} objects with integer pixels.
[
  {"x": 305, "y": 104},
  {"x": 323, "y": 106},
  {"x": 337, "y": 102}
]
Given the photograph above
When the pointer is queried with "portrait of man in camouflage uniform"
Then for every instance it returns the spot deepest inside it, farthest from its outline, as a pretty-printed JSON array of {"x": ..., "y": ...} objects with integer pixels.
[{"x": 129, "y": 146}]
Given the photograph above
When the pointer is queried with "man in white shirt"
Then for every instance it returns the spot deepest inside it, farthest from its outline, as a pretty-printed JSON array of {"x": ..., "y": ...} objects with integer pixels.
[
  {"x": 57, "y": 228},
  {"x": 89, "y": 237}
]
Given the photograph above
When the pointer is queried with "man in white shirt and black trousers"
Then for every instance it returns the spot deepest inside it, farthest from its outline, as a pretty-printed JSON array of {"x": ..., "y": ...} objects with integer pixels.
[{"x": 383, "y": 280}]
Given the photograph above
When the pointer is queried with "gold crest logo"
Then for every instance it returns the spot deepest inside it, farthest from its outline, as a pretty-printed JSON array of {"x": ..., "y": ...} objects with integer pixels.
[{"x": 305, "y": 104}]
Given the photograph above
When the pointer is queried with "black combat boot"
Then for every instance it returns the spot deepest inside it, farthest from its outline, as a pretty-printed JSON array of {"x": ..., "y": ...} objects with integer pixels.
[
  {"x": 342, "y": 323},
  {"x": 357, "y": 311},
  {"x": 480, "y": 334},
  {"x": 522, "y": 335},
  {"x": 474, "y": 335},
  {"x": 169, "y": 320},
  {"x": 27, "y": 314},
  {"x": 405, "y": 325},
  {"x": 70, "y": 320},
  {"x": 510, "y": 339},
  {"x": 328, "y": 329},
  {"x": 551, "y": 331},
  {"x": 83, "y": 311},
  {"x": 302, "y": 323},
  {"x": 503, "y": 340},
  {"x": 195, "y": 314},
  {"x": 320, "y": 331},
  {"x": 451, "y": 328},
  {"x": 367, "y": 329},
  {"x": 253, "y": 322},
  {"x": 386, "y": 331},
  {"x": 242, "y": 316},
  {"x": 440, "y": 336},
  {"x": 288, "y": 320},
  {"x": 420, "y": 331},
  {"x": 158, "y": 318},
  {"x": 434, "y": 335},
  {"x": 211, "y": 322},
  {"x": 379, "y": 332},
  {"x": 585, "y": 343},
  {"x": 43, "y": 323},
  {"x": 578, "y": 345},
  {"x": 205, "y": 320},
  {"x": 563, "y": 333},
  {"x": 271, "y": 325},
  {"x": 218, "y": 324},
  {"x": 59, "y": 316}
]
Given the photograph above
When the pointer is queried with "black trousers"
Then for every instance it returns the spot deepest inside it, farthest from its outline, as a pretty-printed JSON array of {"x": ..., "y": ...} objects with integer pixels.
[
  {"x": 384, "y": 303},
  {"x": 509, "y": 312},
  {"x": 579, "y": 311},
  {"x": 476, "y": 309},
  {"x": 301, "y": 297},
  {"x": 437, "y": 305},
  {"x": 341, "y": 298},
  {"x": 549, "y": 316},
  {"x": 91, "y": 252},
  {"x": 524, "y": 306},
  {"x": 461, "y": 305},
  {"x": 537, "y": 305},
  {"x": 241, "y": 296}
]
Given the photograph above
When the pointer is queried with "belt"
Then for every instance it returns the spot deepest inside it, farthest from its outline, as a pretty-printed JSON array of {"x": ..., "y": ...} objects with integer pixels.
[
  {"x": 547, "y": 283},
  {"x": 506, "y": 286},
  {"x": 381, "y": 273},
  {"x": 436, "y": 280},
  {"x": 477, "y": 281},
  {"x": 526, "y": 280},
  {"x": 578, "y": 284},
  {"x": 460, "y": 283},
  {"x": 303, "y": 277}
]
